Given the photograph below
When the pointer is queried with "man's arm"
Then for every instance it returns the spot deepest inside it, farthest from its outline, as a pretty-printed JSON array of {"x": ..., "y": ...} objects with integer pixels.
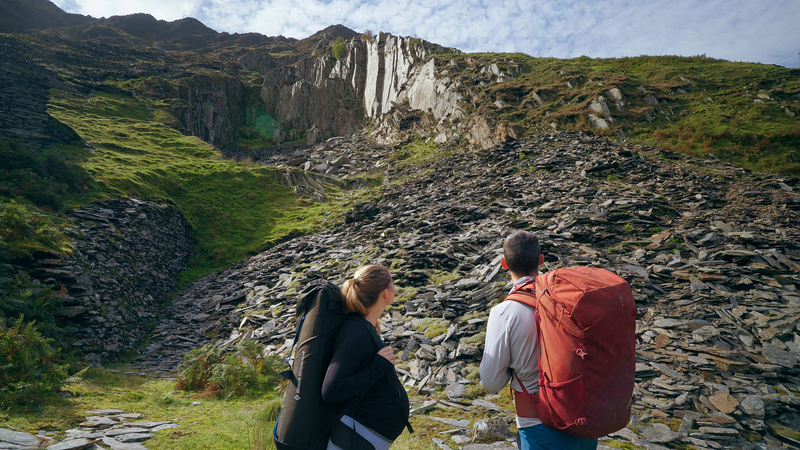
[{"x": 496, "y": 353}]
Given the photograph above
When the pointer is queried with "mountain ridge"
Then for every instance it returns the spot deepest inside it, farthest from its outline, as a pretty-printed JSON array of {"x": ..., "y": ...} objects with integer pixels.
[{"x": 18, "y": 16}]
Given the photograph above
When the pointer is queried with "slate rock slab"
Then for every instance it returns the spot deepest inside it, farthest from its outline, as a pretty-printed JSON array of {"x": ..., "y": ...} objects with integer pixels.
[
  {"x": 724, "y": 402},
  {"x": 659, "y": 433},
  {"x": 117, "y": 445},
  {"x": 492, "y": 428},
  {"x": 72, "y": 444},
  {"x": 18, "y": 438}
]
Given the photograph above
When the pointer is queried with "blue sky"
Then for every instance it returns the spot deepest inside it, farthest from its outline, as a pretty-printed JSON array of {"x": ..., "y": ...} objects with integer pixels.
[{"x": 762, "y": 31}]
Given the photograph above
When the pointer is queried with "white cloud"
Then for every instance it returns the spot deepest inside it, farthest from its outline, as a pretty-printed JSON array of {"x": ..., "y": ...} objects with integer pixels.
[
  {"x": 166, "y": 10},
  {"x": 740, "y": 30}
]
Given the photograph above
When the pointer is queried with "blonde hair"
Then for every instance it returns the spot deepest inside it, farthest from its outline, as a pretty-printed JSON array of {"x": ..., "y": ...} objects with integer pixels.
[{"x": 364, "y": 289}]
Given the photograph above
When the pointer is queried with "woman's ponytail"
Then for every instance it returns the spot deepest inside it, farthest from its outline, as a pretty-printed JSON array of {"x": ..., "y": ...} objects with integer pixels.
[
  {"x": 351, "y": 298},
  {"x": 364, "y": 289}
]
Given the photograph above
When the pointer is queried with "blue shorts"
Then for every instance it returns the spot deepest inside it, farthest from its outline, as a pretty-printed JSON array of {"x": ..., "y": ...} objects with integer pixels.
[{"x": 540, "y": 437}]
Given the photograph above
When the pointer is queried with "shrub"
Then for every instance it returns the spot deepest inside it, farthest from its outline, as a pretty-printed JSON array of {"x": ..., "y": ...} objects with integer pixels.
[
  {"x": 29, "y": 364},
  {"x": 339, "y": 48},
  {"x": 208, "y": 369},
  {"x": 195, "y": 371},
  {"x": 45, "y": 178},
  {"x": 18, "y": 222},
  {"x": 24, "y": 228},
  {"x": 20, "y": 297},
  {"x": 233, "y": 377}
]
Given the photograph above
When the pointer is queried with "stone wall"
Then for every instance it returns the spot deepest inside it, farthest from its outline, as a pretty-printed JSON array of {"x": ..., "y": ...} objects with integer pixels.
[{"x": 127, "y": 257}]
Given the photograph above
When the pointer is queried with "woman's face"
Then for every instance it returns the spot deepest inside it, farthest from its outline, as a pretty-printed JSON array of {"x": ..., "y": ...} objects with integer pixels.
[{"x": 390, "y": 292}]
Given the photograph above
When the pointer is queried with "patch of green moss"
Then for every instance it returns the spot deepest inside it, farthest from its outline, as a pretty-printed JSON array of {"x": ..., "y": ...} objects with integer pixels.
[
  {"x": 405, "y": 294},
  {"x": 673, "y": 423},
  {"x": 752, "y": 436},
  {"x": 621, "y": 444},
  {"x": 442, "y": 276},
  {"x": 783, "y": 431},
  {"x": 477, "y": 339},
  {"x": 418, "y": 152},
  {"x": 432, "y": 327},
  {"x": 472, "y": 315}
]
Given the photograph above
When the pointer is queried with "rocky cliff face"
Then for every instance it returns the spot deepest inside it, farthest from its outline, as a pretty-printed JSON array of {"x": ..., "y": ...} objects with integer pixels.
[
  {"x": 389, "y": 80},
  {"x": 318, "y": 96},
  {"x": 127, "y": 257},
  {"x": 209, "y": 106}
]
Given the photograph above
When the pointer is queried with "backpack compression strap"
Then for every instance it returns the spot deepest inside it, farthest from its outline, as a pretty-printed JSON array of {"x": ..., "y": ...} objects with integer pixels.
[{"x": 525, "y": 405}]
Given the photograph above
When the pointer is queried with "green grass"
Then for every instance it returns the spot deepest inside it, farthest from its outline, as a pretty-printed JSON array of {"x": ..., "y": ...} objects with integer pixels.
[
  {"x": 418, "y": 152},
  {"x": 212, "y": 424},
  {"x": 731, "y": 125},
  {"x": 243, "y": 422},
  {"x": 235, "y": 210}
]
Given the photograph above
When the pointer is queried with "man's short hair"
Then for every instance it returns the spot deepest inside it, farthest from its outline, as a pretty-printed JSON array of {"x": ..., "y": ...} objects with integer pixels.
[{"x": 521, "y": 251}]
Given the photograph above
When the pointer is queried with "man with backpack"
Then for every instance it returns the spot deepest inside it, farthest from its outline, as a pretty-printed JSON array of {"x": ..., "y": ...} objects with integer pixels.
[{"x": 582, "y": 398}]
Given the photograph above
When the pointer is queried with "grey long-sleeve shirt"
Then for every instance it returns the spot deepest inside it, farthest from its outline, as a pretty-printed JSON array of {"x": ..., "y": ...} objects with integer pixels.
[{"x": 511, "y": 344}]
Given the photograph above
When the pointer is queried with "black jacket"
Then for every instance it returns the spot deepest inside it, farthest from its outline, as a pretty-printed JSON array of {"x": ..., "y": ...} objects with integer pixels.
[{"x": 356, "y": 368}]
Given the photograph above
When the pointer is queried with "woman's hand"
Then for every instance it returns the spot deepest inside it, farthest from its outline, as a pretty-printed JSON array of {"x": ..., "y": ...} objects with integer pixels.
[{"x": 387, "y": 353}]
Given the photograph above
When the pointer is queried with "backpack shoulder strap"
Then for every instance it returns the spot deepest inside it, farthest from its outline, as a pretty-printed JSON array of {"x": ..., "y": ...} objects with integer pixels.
[{"x": 524, "y": 295}]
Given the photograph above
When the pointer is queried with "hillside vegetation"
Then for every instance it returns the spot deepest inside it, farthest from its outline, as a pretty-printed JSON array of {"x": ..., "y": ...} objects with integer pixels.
[
  {"x": 235, "y": 208},
  {"x": 743, "y": 113}
]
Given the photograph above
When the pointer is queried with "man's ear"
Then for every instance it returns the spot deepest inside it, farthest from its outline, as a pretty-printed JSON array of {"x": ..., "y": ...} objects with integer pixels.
[
  {"x": 504, "y": 263},
  {"x": 541, "y": 259}
]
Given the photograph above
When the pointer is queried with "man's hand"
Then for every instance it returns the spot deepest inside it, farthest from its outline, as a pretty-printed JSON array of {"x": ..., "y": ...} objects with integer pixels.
[{"x": 387, "y": 353}]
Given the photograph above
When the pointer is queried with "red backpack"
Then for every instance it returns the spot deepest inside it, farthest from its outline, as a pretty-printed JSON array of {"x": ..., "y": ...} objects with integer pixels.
[{"x": 586, "y": 322}]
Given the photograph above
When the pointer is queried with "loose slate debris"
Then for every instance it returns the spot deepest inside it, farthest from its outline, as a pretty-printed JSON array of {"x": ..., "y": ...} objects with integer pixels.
[
  {"x": 712, "y": 253},
  {"x": 115, "y": 431}
]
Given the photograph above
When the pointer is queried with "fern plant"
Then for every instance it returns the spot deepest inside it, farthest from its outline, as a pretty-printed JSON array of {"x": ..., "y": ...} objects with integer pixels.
[{"x": 29, "y": 364}]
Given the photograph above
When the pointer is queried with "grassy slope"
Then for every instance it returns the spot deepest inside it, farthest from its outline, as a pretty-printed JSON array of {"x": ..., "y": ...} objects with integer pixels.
[
  {"x": 718, "y": 112},
  {"x": 234, "y": 209}
]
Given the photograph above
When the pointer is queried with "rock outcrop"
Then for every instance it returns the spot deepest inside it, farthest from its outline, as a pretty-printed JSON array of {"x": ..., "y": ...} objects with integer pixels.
[
  {"x": 209, "y": 107},
  {"x": 319, "y": 92},
  {"x": 126, "y": 258},
  {"x": 389, "y": 80}
]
